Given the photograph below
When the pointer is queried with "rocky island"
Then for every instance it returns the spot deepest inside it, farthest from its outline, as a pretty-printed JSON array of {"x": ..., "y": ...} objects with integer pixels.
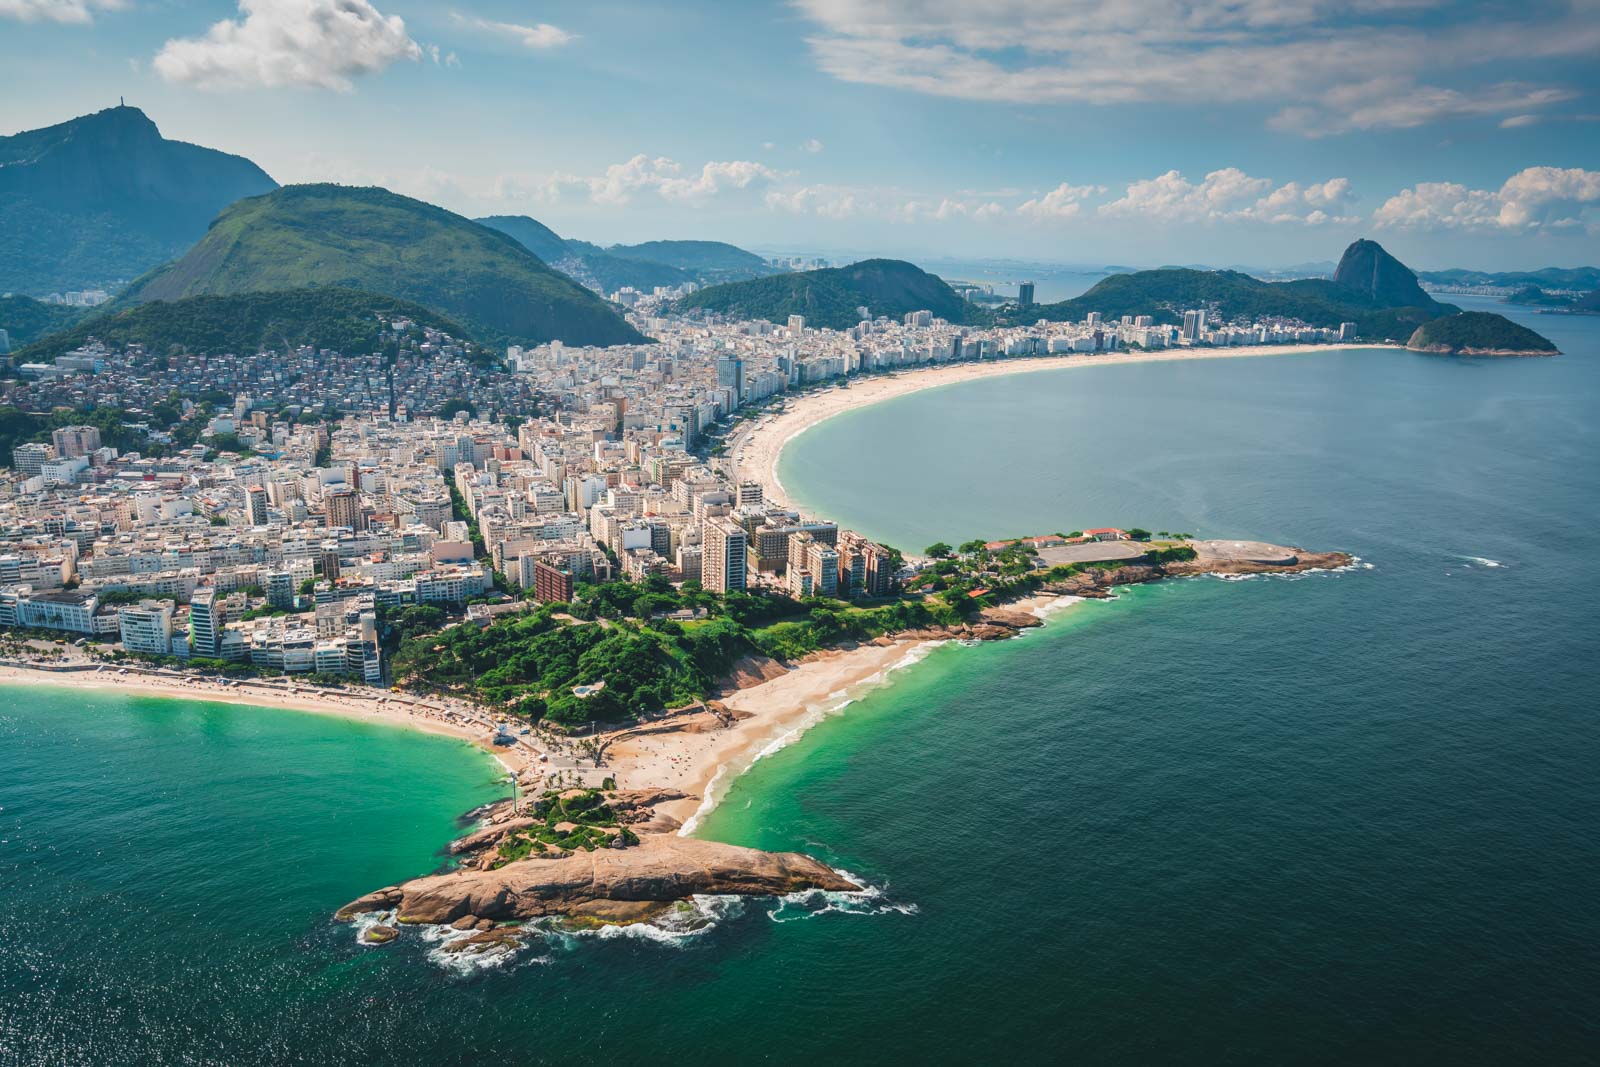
[{"x": 1479, "y": 333}]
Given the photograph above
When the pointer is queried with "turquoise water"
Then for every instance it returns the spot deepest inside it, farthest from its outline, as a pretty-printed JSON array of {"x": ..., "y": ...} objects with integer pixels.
[{"x": 1339, "y": 818}]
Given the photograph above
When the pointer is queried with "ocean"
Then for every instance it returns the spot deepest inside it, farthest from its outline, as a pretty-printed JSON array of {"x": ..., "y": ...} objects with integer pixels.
[{"x": 1334, "y": 818}]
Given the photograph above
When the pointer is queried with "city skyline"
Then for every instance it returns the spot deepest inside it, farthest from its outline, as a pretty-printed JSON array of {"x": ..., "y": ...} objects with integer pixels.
[{"x": 1260, "y": 133}]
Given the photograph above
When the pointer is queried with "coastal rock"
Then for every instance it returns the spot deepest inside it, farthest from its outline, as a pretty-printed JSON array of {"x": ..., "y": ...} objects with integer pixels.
[
  {"x": 503, "y": 937},
  {"x": 660, "y": 869},
  {"x": 380, "y": 935},
  {"x": 466, "y": 922},
  {"x": 489, "y": 835},
  {"x": 1010, "y": 617},
  {"x": 384, "y": 899}
]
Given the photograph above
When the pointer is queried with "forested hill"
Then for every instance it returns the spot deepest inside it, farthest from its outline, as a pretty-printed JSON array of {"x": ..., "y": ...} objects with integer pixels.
[
  {"x": 375, "y": 241},
  {"x": 104, "y": 197},
  {"x": 830, "y": 297},
  {"x": 345, "y": 320}
]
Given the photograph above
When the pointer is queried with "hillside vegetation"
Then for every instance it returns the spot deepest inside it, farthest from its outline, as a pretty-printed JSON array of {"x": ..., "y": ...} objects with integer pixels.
[
  {"x": 343, "y": 319},
  {"x": 1479, "y": 331},
  {"x": 375, "y": 241},
  {"x": 829, "y": 297},
  {"x": 26, "y": 319}
]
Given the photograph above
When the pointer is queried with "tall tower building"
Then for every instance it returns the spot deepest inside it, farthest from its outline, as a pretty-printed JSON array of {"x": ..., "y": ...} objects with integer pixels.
[
  {"x": 722, "y": 565},
  {"x": 344, "y": 508},
  {"x": 256, "y": 500},
  {"x": 1025, "y": 295}
]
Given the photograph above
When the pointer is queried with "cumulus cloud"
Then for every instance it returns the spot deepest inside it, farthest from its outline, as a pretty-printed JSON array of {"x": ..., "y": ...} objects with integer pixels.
[
  {"x": 813, "y": 146},
  {"x": 826, "y": 201},
  {"x": 660, "y": 175},
  {"x": 1291, "y": 54},
  {"x": 1536, "y": 198},
  {"x": 1230, "y": 194},
  {"x": 296, "y": 43},
  {"x": 538, "y": 37},
  {"x": 1062, "y": 202},
  {"x": 71, "y": 12}
]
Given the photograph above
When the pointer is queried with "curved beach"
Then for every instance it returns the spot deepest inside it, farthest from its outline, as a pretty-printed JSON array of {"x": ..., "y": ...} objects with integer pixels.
[{"x": 755, "y": 449}]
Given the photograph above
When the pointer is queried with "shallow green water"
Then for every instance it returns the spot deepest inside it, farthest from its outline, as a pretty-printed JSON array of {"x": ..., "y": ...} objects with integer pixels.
[{"x": 1340, "y": 818}]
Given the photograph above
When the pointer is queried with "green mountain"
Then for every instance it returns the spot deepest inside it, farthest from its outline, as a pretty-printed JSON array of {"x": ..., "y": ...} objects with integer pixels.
[
  {"x": 25, "y": 319},
  {"x": 644, "y": 266},
  {"x": 829, "y": 297},
  {"x": 105, "y": 197},
  {"x": 376, "y": 241},
  {"x": 1479, "y": 333},
  {"x": 342, "y": 319},
  {"x": 1372, "y": 279}
]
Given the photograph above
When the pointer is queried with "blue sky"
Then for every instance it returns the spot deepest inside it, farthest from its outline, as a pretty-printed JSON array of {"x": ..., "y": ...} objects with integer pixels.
[{"x": 1264, "y": 132}]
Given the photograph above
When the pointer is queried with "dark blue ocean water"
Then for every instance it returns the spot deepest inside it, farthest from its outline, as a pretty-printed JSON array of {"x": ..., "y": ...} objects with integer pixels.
[{"x": 1340, "y": 818}]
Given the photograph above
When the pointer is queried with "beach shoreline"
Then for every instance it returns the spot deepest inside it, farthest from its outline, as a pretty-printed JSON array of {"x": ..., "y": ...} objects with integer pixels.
[
  {"x": 755, "y": 451},
  {"x": 358, "y": 704}
]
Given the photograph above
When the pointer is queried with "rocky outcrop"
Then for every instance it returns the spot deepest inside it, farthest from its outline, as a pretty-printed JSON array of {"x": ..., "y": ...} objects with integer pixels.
[
  {"x": 660, "y": 870},
  {"x": 1367, "y": 269}
]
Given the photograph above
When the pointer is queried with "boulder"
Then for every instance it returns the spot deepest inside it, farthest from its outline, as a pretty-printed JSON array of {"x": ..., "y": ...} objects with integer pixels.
[{"x": 380, "y": 935}]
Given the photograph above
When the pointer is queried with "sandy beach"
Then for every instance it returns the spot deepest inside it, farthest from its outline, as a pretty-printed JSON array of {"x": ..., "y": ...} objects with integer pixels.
[{"x": 755, "y": 449}]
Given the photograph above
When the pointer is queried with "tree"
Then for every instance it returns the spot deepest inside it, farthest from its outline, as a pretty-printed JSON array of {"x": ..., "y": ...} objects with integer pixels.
[
  {"x": 308, "y": 586},
  {"x": 938, "y": 550},
  {"x": 969, "y": 547},
  {"x": 1138, "y": 534}
]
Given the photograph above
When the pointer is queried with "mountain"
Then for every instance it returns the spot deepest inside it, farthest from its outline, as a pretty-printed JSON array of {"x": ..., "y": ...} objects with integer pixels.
[
  {"x": 1479, "y": 333},
  {"x": 705, "y": 259},
  {"x": 829, "y": 297},
  {"x": 1365, "y": 268},
  {"x": 532, "y": 234},
  {"x": 343, "y": 319},
  {"x": 643, "y": 266},
  {"x": 1579, "y": 278},
  {"x": 375, "y": 241},
  {"x": 1371, "y": 295},
  {"x": 25, "y": 319},
  {"x": 105, "y": 197}
]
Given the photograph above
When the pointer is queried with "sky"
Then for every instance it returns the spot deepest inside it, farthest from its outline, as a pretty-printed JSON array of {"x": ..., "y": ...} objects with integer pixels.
[{"x": 1133, "y": 132}]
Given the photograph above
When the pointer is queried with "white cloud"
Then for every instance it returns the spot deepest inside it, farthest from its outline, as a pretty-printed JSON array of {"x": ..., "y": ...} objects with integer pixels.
[
  {"x": 71, "y": 12},
  {"x": 1230, "y": 194},
  {"x": 660, "y": 175},
  {"x": 813, "y": 146},
  {"x": 538, "y": 37},
  {"x": 826, "y": 201},
  {"x": 1062, "y": 202},
  {"x": 1536, "y": 198},
  {"x": 1289, "y": 53},
  {"x": 297, "y": 43}
]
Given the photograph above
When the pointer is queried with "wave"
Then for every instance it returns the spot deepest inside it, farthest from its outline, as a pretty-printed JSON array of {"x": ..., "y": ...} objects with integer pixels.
[
  {"x": 810, "y": 903},
  {"x": 1480, "y": 561}
]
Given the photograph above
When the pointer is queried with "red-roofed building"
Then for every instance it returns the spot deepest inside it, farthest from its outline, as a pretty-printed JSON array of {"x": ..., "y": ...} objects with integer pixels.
[{"x": 1107, "y": 534}]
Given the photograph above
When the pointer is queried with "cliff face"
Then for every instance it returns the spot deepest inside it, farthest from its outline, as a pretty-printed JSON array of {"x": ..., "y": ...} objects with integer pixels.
[{"x": 1367, "y": 269}]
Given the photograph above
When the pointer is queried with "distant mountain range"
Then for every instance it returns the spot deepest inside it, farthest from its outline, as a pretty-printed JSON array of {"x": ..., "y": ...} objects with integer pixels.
[
  {"x": 105, "y": 197},
  {"x": 830, "y": 297},
  {"x": 1581, "y": 279},
  {"x": 641, "y": 266},
  {"x": 375, "y": 241},
  {"x": 1369, "y": 287}
]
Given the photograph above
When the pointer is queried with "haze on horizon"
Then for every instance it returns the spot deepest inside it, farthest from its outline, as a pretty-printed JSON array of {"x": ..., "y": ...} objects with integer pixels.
[{"x": 1268, "y": 132}]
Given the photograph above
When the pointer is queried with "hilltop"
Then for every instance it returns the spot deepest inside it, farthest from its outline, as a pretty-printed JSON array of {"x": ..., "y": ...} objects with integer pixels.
[
  {"x": 1479, "y": 333},
  {"x": 343, "y": 319},
  {"x": 104, "y": 197},
  {"x": 642, "y": 266},
  {"x": 372, "y": 240},
  {"x": 1370, "y": 288},
  {"x": 1580, "y": 278},
  {"x": 829, "y": 297}
]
